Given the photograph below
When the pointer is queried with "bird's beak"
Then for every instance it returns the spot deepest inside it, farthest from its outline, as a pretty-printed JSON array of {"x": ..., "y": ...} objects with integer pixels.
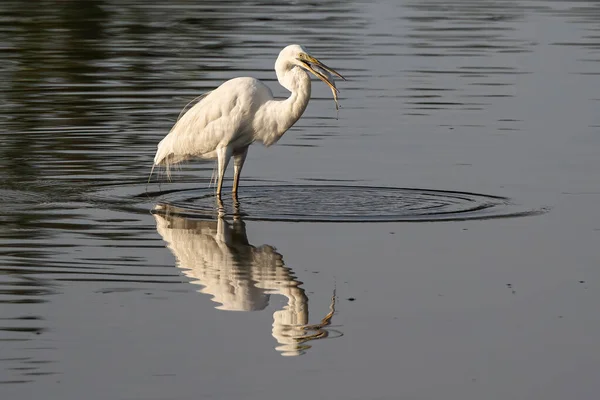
[{"x": 310, "y": 62}]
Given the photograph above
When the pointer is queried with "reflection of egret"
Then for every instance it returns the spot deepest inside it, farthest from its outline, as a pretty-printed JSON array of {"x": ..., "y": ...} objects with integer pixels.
[
  {"x": 240, "y": 111},
  {"x": 239, "y": 276}
]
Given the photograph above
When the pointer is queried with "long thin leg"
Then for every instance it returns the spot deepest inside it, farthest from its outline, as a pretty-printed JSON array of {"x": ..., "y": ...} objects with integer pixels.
[
  {"x": 238, "y": 164},
  {"x": 223, "y": 156}
]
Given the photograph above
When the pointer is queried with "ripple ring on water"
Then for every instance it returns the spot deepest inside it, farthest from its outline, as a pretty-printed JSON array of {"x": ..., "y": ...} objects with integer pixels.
[{"x": 336, "y": 203}]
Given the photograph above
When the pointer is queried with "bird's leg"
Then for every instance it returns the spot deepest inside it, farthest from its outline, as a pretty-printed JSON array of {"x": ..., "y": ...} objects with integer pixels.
[
  {"x": 238, "y": 163},
  {"x": 223, "y": 156},
  {"x": 220, "y": 208}
]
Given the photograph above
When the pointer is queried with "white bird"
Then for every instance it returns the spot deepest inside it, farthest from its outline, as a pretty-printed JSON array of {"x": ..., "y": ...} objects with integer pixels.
[{"x": 241, "y": 111}]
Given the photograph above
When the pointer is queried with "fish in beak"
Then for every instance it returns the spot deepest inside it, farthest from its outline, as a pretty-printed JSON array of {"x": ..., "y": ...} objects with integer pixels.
[{"x": 323, "y": 72}]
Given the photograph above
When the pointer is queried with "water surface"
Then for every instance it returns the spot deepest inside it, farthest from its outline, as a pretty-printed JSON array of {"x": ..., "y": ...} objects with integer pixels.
[{"x": 103, "y": 299}]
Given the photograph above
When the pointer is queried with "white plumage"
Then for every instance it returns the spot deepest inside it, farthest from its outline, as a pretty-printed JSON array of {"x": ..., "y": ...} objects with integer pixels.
[{"x": 241, "y": 111}]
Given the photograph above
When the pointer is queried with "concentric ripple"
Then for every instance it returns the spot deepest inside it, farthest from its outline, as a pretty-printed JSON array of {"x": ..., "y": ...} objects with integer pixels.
[{"x": 332, "y": 203}]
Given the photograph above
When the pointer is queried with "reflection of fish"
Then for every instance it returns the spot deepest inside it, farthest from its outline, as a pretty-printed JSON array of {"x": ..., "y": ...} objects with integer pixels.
[{"x": 239, "y": 276}]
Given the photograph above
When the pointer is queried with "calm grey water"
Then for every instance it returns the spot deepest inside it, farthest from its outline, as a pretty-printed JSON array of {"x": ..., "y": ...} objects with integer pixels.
[{"x": 103, "y": 299}]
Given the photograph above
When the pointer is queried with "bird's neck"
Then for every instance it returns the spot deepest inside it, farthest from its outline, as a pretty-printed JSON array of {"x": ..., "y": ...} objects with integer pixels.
[{"x": 282, "y": 114}]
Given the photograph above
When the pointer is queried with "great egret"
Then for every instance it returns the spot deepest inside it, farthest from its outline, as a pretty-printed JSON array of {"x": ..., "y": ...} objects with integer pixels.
[{"x": 241, "y": 111}]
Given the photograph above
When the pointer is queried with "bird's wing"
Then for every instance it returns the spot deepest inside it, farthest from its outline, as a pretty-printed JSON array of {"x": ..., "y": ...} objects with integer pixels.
[{"x": 219, "y": 118}]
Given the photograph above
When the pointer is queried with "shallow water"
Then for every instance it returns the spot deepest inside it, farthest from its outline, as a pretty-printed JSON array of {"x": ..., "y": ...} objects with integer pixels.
[
  {"x": 104, "y": 298},
  {"x": 336, "y": 203}
]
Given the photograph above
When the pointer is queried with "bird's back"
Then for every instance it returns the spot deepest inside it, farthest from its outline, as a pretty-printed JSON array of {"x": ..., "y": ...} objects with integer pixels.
[{"x": 223, "y": 117}]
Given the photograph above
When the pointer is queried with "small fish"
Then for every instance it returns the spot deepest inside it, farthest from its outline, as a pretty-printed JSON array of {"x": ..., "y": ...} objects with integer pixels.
[{"x": 334, "y": 89}]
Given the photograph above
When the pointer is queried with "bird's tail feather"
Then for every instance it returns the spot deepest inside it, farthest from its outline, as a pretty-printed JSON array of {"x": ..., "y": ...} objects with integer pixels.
[
  {"x": 196, "y": 99},
  {"x": 168, "y": 152},
  {"x": 150, "y": 176},
  {"x": 166, "y": 155},
  {"x": 213, "y": 177}
]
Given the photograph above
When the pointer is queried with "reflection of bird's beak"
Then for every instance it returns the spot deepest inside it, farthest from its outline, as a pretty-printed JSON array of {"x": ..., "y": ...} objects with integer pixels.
[{"x": 310, "y": 63}]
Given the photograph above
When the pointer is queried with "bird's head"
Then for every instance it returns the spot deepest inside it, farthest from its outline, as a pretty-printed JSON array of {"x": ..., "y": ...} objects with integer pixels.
[{"x": 297, "y": 55}]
